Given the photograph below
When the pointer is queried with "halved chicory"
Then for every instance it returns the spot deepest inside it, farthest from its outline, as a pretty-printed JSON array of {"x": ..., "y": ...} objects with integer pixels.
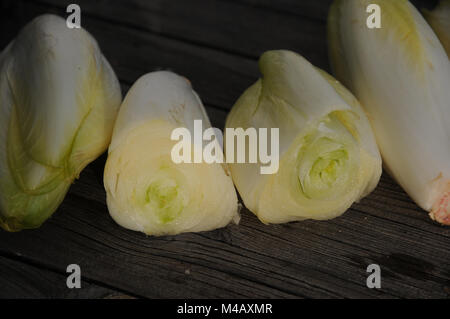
[
  {"x": 146, "y": 189},
  {"x": 328, "y": 156}
]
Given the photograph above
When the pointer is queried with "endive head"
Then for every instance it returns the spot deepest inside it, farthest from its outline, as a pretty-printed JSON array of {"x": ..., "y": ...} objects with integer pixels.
[
  {"x": 400, "y": 73},
  {"x": 328, "y": 155},
  {"x": 146, "y": 190},
  {"x": 58, "y": 102}
]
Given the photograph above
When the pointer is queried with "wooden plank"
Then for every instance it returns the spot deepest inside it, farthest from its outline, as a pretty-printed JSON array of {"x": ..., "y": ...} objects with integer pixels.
[
  {"x": 236, "y": 26},
  {"x": 303, "y": 9},
  {"x": 8, "y": 22},
  {"x": 218, "y": 77},
  {"x": 313, "y": 259},
  {"x": 224, "y": 25},
  {"x": 306, "y": 259},
  {"x": 21, "y": 280}
]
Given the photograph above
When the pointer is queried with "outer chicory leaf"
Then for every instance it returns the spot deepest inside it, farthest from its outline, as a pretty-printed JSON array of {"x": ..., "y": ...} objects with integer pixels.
[{"x": 58, "y": 101}]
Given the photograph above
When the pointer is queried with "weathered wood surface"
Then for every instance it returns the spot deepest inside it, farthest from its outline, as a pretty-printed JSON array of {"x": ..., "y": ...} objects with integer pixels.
[
  {"x": 20, "y": 278},
  {"x": 215, "y": 43}
]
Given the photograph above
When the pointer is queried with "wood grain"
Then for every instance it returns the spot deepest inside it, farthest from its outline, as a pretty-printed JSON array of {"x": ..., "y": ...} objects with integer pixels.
[
  {"x": 216, "y": 44},
  {"x": 225, "y": 25},
  {"x": 21, "y": 279}
]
